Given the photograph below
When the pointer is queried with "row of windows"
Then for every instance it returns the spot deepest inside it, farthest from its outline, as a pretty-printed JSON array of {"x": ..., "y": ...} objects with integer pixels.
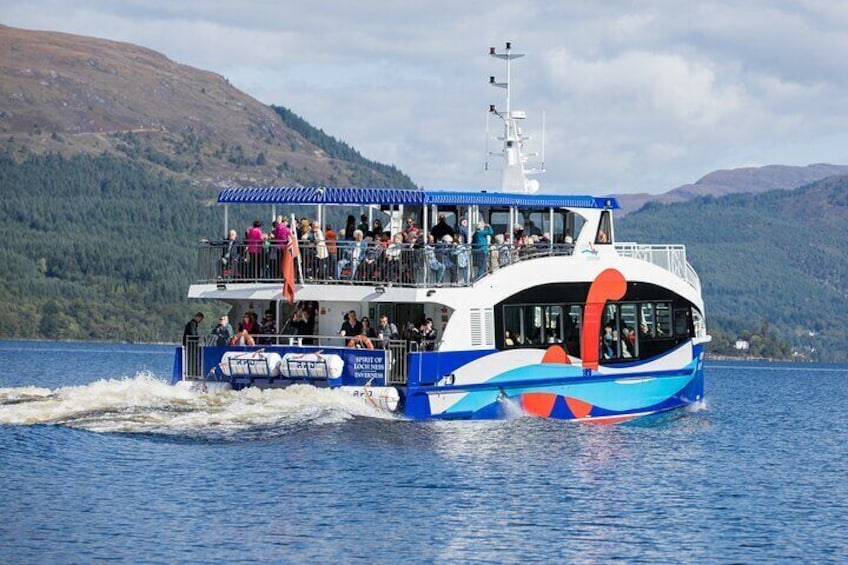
[{"x": 628, "y": 329}]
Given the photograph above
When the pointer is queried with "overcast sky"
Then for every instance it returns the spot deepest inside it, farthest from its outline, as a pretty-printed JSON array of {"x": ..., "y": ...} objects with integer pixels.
[{"x": 638, "y": 96}]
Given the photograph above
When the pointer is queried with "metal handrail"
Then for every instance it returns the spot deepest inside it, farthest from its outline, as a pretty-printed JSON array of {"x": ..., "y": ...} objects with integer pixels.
[
  {"x": 396, "y": 351},
  {"x": 368, "y": 263},
  {"x": 671, "y": 257}
]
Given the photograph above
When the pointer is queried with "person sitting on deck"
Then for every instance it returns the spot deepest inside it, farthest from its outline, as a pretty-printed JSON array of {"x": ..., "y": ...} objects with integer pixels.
[
  {"x": 360, "y": 341},
  {"x": 267, "y": 328},
  {"x": 367, "y": 270},
  {"x": 394, "y": 258},
  {"x": 609, "y": 343},
  {"x": 367, "y": 330},
  {"x": 351, "y": 327},
  {"x": 355, "y": 253},
  {"x": 436, "y": 267}
]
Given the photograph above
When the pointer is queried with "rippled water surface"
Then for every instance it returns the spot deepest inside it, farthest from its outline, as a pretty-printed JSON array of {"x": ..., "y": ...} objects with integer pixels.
[{"x": 102, "y": 460}]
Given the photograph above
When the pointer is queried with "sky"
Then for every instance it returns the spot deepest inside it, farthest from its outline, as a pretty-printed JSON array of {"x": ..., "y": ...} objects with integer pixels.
[{"x": 637, "y": 96}]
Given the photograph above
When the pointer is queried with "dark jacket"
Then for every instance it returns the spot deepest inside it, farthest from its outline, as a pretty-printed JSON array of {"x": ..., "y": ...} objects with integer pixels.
[{"x": 190, "y": 330}]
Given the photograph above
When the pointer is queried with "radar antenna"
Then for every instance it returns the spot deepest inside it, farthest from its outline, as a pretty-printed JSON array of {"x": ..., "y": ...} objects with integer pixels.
[{"x": 515, "y": 172}]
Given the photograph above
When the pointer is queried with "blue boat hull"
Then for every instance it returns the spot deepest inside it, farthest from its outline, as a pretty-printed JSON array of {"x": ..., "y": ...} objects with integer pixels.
[{"x": 564, "y": 391}]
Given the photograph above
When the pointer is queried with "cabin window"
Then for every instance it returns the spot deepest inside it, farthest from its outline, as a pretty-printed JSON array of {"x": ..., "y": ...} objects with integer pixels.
[
  {"x": 604, "y": 235},
  {"x": 681, "y": 323},
  {"x": 627, "y": 331},
  {"x": 536, "y": 223},
  {"x": 540, "y": 325},
  {"x": 662, "y": 326},
  {"x": 513, "y": 323},
  {"x": 637, "y": 329},
  {"x": 533, "y": 320},
  {"x": 647, "y": 321},
  {"x": 573, "y": 321},
  {"x": 610, "y": 334},
  {"x": 499, "y": 220}
]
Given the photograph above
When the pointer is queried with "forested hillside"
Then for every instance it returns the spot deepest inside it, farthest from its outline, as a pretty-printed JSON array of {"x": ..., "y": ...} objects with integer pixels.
[
  {"x": 110, "y": 155},
  {"x": 97, "y": 248},
  {"x": 774, "y": 266}
]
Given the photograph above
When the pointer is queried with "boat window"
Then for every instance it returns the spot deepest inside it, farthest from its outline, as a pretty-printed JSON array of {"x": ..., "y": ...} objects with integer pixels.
[
  {"x": 536, "y": 223},
  {"x": 627, "y": 331},
  {"x": 681, "y": 323},
  {"x": 604, "y": 235},
  {"x": 538, "y": 325},
  {"x": 512, "y": 323},
  {"x": 647, "y": 321},
  {"x": 610, "y": 347},
  {"x": 553, "y": 324},
  {"x": 662, "y": 312},
  {"x": 571, "y": 328},
  {"x": 499, "y": 220},
  {"x": 533, "y": 316}
]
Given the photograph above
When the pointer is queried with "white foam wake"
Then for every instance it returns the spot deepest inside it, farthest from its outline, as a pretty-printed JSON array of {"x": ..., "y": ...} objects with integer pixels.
[{"x": 145, "y": 404}]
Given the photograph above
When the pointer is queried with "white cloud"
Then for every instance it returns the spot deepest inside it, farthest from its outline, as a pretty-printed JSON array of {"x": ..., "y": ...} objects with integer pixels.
[{"x": 638, "y": 96}]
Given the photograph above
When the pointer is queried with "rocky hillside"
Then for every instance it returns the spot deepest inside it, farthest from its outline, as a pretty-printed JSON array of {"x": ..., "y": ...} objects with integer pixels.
[{"x": 70, "y": 94}]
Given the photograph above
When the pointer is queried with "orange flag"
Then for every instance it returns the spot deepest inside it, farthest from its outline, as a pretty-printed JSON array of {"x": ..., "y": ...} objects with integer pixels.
[{"x": 287, "y": 267}]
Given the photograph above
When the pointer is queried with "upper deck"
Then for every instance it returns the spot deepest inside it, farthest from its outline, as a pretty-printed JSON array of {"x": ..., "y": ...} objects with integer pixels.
[{"x": 556, "y": 226}]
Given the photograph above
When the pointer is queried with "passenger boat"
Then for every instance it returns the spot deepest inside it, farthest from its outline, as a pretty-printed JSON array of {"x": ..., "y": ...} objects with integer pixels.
[{"x": 558, "y": 319}]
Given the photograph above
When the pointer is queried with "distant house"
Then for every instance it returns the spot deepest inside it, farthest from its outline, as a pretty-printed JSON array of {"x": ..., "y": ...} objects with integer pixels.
[{"x": 741, "y": 345}]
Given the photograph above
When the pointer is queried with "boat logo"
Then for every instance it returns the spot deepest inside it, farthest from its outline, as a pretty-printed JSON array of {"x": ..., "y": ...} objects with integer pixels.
[{"x": 590, "y": 252}]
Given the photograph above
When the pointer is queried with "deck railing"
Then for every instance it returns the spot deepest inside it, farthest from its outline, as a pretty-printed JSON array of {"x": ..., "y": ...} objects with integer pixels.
[
  {"x": 670, "y": 257},
  {"x": 366, "y": 263},
  {"x": 396, "y": 351},
  {"x": 402, "y": 265}
]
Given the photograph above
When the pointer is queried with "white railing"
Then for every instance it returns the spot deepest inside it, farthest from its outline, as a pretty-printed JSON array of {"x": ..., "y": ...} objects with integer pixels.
[{"x": 672, "y": 258}]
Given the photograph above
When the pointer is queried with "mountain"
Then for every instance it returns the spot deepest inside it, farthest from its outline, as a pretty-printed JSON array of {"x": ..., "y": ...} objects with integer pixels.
[
  {"x": 70, "y": 94},
  {"x": 746, "y": 179},
  {"x": 770, "y": 263},
  {"x": 109, "y": 155}
]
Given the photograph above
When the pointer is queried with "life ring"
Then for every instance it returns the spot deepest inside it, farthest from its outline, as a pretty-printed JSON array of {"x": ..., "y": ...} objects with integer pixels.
[
  {"x": 243, "y": 338},
  {"x": 362, "y": 340}
]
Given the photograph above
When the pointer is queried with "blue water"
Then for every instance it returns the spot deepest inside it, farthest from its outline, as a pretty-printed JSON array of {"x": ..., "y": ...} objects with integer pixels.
[{"x": 101, "y": 460}]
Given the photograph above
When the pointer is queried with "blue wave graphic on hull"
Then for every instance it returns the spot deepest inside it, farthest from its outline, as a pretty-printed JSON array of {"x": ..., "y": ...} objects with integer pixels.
[{"x": 614, "y": 394}]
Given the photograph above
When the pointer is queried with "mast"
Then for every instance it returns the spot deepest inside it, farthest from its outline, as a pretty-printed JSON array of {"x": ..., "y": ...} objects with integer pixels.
[{"x": 514, "y": 172}]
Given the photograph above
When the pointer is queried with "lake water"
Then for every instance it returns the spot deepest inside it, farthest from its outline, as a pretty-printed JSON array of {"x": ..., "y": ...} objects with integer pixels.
[{"x": 102, "y": 460}]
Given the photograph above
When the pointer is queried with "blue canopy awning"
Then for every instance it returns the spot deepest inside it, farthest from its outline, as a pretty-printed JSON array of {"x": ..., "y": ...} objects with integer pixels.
[{"x": 397, "y": 196}]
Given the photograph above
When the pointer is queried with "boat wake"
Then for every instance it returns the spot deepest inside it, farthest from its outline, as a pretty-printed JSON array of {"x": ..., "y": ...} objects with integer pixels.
[{"x": 145, "y": 404}]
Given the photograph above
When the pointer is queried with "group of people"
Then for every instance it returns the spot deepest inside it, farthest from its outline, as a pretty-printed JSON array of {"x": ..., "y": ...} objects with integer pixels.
[
  {"x": 616, "y": 345},
  {"x": 363, "y": 252},
  {"x": 251, "y": 330},
  {"x": 361, "y": 334},
  {"x": 357, "y": 332}
]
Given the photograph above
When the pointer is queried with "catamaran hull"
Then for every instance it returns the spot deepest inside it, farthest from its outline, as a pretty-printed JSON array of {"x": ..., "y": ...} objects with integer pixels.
[{"x": 565, "y": 391}]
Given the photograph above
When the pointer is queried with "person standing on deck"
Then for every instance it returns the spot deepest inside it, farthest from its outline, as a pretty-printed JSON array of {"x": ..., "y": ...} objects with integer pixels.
[
  {"x": 480, "y": 248},
  {"x": 191, "y": 344},
  {"x": 255, "y": 239}
]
